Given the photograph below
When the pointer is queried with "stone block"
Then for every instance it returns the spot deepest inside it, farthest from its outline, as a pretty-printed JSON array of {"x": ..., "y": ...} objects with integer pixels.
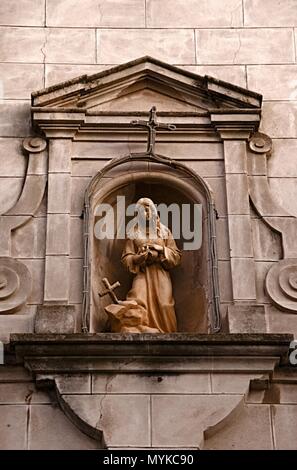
[
  {"x": 284, "y": 420},
  {"x": 76, "y": 238},
  {"x": 39, "y": 45},
  {"x": 288, "y": 393},
  {"x": 59, "y": 193},
  {"x": 245, "y": 46},
  {"x": 14, "y": 374},
  {"x": 60, "y": 156},
  {"x": 15, "y": 120},
  {"x": 12, "y": 160},
  {"x": 280, "y": 322},
  {"x": 58, "y": 234},
  {"x": 247, "y": 319},
  {"x": 22, "y": 44},
  {"x": 112, "y": 414},
  {"x": 266, "y": 242},
  {"x": 36, "y": 267},
  {"x": 225, "y": 281},
  {"x": 284, "y": 191},
  {"x": 192, "y": 14},
  {"x": 172, "y": 45},
  {"x": 28, "y": 241},
  {"x": 21, "y": 394},
  {"x": 56, "y": 73},
  {"x": 243, "y": 278},
  {"x": 180, "y": 420},
  {"x": 151, "y": 383},
  {"x": 79, "y": 45},
  {"x": 275, "y": 82},
  {"x": 235, "y": 156},
  {"x": 73, "y": 384},
  {"x": 94, "y": 13},
  {"x": 19, "y": 80},
  {"x": 251, "y": 430},
  {"x": 78, "y": 316},
  {"x": 237, "y": 194},
  {"x": 42, "y": 210},
  {"x": 218, "y": 187},
  {"x": 223, "y": 246},
  {"x": 55, "y": 319},
  {"x": 56, "y": 284},
  {"x": 229, "y": 73},
  {"x": 24, "y": 13},
  {"x": 76, "y": 281},
  {"x": 23, "y": 322},
  {"x": 181, "y": 151},
  {"x": 279, "y": 119},
  {"x": 210, "y": 168},
  {"x": 50, "y": 429},
  {"x": 10, "y": 192},
  {"x": 273, "y": 13},
  {"x": 240, "y": 233},
  {"x": 257, "y": 164},
  {"x": 103, "y": 150},
  {"x": 79, "y": 186},
  {"x": 231, "y": 383},
  {"x": 13, "y": 422},
  {"x": 262, "y": 268},
  {"x": 79, "y": 167},
  {"x": 283, "y": 161}
]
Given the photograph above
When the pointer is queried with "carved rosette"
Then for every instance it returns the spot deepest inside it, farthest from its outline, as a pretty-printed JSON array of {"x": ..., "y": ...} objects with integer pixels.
[
  {"x": 260, "y": 143},
  {"x": 34, "y": 144},
  {"x": 15, "y": 284},
  {"x": 281, "y": 284}
]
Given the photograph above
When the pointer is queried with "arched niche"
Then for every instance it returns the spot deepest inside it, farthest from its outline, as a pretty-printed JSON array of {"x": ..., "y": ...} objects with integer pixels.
[{"x": 195, "y": 281}]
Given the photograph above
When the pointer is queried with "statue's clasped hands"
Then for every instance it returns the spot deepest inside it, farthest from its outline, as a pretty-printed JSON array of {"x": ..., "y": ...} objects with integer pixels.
[{"x": 148, "y": 254}]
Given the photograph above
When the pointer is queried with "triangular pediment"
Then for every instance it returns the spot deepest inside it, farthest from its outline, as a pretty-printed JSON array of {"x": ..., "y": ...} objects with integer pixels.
[{"x": 137, "y": 85}]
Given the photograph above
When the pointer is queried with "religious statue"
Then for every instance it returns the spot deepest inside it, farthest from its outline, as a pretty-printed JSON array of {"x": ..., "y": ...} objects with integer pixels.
[{"x": 149, "y": 253}]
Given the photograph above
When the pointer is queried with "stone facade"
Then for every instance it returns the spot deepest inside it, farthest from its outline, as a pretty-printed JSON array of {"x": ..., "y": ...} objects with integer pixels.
[{"x": 242, "y": 148}]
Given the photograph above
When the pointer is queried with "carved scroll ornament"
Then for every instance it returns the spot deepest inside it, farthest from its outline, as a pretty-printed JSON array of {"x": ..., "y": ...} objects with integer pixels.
[
  {"x": 281, "y": 279},
  {"x": 15, "y": 277}
]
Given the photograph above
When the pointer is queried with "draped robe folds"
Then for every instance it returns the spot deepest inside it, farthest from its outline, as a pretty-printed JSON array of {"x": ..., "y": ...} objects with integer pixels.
[{"x": 152, "y": 288}]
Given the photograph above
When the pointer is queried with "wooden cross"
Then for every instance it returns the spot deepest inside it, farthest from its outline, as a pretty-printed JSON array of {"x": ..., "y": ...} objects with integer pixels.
[
  {"x": 110, "y": 289},
  {"x": 152, "y": 126}
]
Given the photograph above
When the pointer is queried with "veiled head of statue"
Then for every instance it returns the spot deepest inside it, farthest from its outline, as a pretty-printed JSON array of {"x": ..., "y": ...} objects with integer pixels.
[{"x": 146, "y": 208}]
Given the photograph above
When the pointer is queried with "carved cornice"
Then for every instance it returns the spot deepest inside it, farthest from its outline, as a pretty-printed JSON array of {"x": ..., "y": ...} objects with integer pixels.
[
  {"x": 78, "y": 105},
  {"x": 88, "y": 91},
  {"x": 236, "y": 124},
  {"x": 85, "y": 352}
]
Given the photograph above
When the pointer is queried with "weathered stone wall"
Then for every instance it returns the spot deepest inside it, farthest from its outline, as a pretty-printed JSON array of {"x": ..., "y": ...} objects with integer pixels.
[{"x": 31, "y": 419}]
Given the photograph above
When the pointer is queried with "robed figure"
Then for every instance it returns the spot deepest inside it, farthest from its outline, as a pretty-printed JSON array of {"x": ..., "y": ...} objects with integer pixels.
[{"x": 149, "y": 253}]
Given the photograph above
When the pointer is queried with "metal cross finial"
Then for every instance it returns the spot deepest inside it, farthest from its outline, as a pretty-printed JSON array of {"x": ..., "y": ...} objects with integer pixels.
[
  {"x": 152, "y": 125},
  {"x": 110, "y": 289}
]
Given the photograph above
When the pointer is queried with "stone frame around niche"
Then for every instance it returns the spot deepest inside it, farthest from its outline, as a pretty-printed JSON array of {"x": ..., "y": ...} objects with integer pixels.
[
  {"x": 191, "y": 189},
  {"x": 72, "y": 114}
]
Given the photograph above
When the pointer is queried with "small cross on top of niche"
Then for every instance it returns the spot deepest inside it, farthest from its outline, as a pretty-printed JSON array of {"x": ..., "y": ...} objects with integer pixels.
[{"x": 152, "y": 126}]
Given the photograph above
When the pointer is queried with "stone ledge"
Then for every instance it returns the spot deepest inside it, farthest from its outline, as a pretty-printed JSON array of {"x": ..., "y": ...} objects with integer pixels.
[{"x": 90, "y": 347}]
